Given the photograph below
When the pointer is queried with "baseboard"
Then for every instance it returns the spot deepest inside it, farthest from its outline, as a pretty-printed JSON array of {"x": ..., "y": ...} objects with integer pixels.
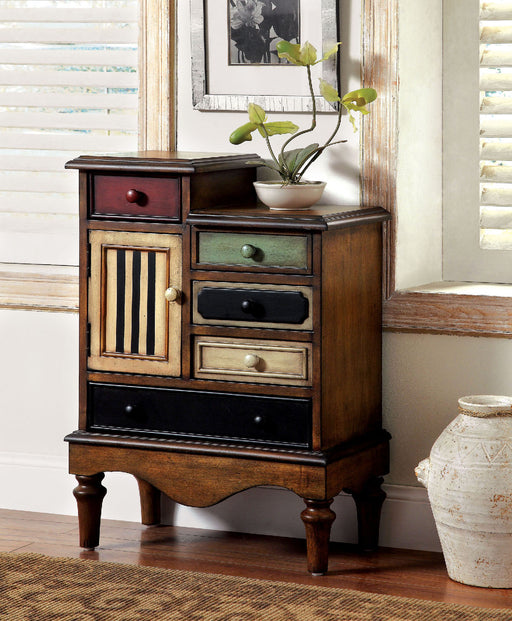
[{"x": 41, "y": 483}]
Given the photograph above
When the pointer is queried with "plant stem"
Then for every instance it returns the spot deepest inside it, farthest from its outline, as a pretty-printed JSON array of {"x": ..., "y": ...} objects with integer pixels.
[
  {"x": 304, "y": 131},
  {"x": 269, "y": 146},
  {"x": 327, "y": 144}
]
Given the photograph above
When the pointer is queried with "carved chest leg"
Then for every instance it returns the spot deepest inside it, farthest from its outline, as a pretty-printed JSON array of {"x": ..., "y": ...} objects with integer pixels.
[{"x": 318, "y": 519}]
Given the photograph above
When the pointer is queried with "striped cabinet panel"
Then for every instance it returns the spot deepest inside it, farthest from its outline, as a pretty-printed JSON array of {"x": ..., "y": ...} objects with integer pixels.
[{"x": 134, "y": 328}]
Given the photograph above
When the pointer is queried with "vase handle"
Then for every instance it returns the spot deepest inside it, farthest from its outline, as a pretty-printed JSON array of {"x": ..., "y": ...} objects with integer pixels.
[{"x": 422, "y": 471}]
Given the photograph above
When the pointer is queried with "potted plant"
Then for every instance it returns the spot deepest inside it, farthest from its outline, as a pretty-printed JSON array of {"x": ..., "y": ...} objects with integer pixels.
[{"x": 292, "y": 191}]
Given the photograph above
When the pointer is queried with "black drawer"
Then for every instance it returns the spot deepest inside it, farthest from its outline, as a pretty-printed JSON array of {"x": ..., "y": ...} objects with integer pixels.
[
  {"x": 260, "y": 305},
  {"x": 199, "y": 414}
]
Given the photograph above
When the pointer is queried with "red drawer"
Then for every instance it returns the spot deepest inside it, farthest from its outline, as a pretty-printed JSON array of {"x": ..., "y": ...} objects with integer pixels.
[{"x": 153, "y": 197}]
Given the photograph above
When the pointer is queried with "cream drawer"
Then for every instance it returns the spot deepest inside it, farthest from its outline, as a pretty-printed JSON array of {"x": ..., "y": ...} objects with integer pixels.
[{"x": 266, "y": 362}]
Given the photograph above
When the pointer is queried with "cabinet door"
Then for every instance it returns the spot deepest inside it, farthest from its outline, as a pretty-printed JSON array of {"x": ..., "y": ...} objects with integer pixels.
[{"x": 135, "y": 323}]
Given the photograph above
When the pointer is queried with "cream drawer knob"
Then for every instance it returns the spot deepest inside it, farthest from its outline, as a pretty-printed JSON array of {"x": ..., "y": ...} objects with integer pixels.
[
  {"x": 248, "y": 251},
  {"x": 172, "y": 294},
  {"x": 251, "y": 361}
]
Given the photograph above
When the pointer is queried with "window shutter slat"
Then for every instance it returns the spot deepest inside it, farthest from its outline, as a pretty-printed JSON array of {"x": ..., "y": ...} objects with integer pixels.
[
  {"x": 47, "y": 202},
  {"x": 79, "y": 120},
  {"x": 495, "y": 10},
  {"x": 492, "y": 79},
  {"x": 496, "y": 195},
  {"x": 115, "y": 58},
  {"x": 92, "y": 142},
  {"x": 91, "y": 33},
  {"x": 38, "y": 98},
  {"x": 496, "y": 125},
  {"x": 496, "y": 34},
  {"x": 60, "y": 13},
  {"x": 68, "y": 86},
  {"x": 11, "y": 181},
  {"x": 499, "y": 173},
  {"x": 496, "y": 151},
  {"x": 496, "y": 239},
  {"x": 24, "y": 76},
  {"x": 496, "y": 56},
  {"x": 496, "y": 105},
  {"x": 496, "y": 218}
]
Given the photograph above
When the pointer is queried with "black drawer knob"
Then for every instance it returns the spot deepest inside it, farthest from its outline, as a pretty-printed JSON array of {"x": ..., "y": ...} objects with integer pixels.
[
  {"x": 258, "y": 420},
  {"x": 130, "y": 409},
  {"x": 248, "y": 306}
]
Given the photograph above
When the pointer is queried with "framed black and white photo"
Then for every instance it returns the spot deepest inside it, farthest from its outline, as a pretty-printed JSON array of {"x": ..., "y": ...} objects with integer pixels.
[{"x": 234, "y": 58}]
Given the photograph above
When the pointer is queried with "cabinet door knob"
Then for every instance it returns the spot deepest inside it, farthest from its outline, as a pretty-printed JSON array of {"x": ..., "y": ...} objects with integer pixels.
[
  {"x": 172, "y": 294},
  {"x": 134, "y": 196},
  {"x": 248, "y": 251},
  {"x": 251, "y": 361}
]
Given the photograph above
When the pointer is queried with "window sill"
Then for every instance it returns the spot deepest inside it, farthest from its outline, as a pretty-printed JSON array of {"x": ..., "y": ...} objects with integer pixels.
[
  {"x": 39, "y": 287},
  {"x": 451, "y": 308}
]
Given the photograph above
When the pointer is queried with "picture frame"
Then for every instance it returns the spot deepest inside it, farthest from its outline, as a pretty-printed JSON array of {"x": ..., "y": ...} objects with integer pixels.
[{"x": 218, "y": 85}]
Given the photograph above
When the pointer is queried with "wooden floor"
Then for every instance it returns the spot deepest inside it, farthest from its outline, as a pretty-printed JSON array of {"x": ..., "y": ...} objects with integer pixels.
[{"x": 405, "y": 573}]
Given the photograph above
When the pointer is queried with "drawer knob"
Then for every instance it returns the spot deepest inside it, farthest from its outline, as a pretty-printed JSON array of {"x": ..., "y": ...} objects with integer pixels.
[
  {"x": 248, "y": 306},
  {"x": 258, "y": 420},
  {"x": 248, "y": 251},
  {"x": 172, "y": 294},
  {"x": 129, "y": 409},
  {"x": 134, "y": 196},
  {"x": 251, "y": 361}
]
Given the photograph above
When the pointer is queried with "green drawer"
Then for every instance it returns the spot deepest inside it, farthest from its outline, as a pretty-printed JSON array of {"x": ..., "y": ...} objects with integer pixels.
[{"x": 253, "y": 250}]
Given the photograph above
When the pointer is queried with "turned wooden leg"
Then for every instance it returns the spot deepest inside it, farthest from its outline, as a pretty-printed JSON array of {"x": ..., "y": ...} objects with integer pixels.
[
  {"x": 89, "y": 496},
  {"x": 149, "y": 503},
  {"x": 369, "y": 500},
  {"x": 318, "y": 519}
]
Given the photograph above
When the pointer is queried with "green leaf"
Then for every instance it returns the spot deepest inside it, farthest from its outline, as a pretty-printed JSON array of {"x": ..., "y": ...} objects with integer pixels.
[
  {"x": 331, "y": 52},
  {"x": 256, "y": 114},
  {"x": 280, "y": 127},
  {"x": 352, "y": 119},
  {"x": 290, "y": 51},
  {"x": 242, "y": 134},
  {"x": 328, "y": 92},
  {"x": 307, "y": 54},
  {"x": 357, "y": 100},
  {"x": 295, "y": 158},
  {"x": 305, "y": 153}
]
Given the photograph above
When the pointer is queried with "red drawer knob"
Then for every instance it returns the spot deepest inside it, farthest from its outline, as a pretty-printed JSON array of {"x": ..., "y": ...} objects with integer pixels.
[{"x": 134, "y": 196}]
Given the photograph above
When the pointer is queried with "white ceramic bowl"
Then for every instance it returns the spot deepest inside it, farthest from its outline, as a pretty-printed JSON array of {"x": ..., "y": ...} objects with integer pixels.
[{"x": 293, "y": 196}]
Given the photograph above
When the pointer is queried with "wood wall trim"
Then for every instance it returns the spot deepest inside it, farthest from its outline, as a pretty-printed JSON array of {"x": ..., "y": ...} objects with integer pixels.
[
  {"x": 407, "y": 311},
  {"x": 448, "y": 313},
  {"x": 157, "y": 49},
  {"x": 39, "y": 287},
  {"x": 379, "y": 138}
]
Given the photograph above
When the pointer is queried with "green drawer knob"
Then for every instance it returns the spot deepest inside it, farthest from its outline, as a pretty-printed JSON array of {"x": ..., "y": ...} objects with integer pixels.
[{"x": 248, "y": 251}]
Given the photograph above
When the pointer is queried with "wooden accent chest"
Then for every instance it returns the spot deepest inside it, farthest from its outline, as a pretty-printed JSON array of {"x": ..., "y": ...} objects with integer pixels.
[{"x": 225, "y": 346}]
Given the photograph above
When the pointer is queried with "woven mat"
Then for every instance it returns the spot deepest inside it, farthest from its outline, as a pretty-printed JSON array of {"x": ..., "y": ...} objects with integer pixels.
[{"x": 36, "y": 588}]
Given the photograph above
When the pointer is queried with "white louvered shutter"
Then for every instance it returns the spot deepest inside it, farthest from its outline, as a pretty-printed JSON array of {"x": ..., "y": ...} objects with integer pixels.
[
  {"x": 496, "y": 125},
  {"x": 68, "y": 86}
]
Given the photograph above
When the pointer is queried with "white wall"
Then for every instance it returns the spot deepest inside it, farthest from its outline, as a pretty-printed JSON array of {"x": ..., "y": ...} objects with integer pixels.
[
  {"x": 209, "y": 131},
  {"x": 423, "y": 375}
]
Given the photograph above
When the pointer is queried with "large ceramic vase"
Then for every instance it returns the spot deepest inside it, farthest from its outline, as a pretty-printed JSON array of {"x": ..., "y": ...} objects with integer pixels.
[{"x": 469, "y": 480}]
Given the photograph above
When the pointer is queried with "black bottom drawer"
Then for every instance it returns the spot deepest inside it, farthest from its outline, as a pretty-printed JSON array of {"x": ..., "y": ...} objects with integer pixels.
[{"x": 173, "y": 413}]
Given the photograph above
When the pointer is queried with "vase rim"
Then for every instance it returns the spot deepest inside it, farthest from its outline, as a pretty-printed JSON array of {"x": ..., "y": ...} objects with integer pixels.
[{"x": 484, "y": 406}]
